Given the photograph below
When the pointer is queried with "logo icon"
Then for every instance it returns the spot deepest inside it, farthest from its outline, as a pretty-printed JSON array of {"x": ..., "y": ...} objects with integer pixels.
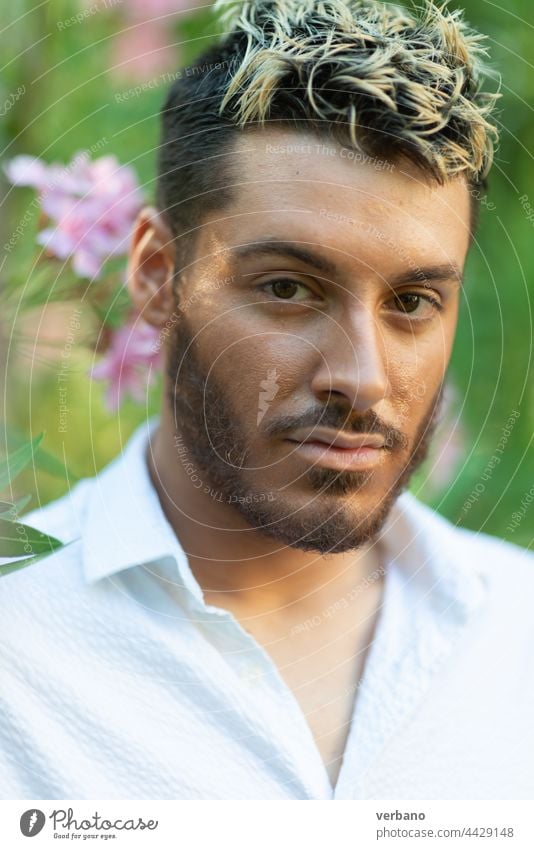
[
  {"x": 269, "y": 389},
  {"x": 32, "y": 822}
]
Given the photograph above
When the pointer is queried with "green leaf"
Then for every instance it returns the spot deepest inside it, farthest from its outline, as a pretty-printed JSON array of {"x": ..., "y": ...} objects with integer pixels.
[
  {"x": 15, "y": 538},
  {"x": 17, "y": 461},
  {"x": 48, "y": 280},
  {"x": 8, "y": 568},
  {"x": 23, "y": 286},
  {"x": 44, "y": 460},
  {"x": 10, "y": 510},
  {"x": 114, "y": 310}
]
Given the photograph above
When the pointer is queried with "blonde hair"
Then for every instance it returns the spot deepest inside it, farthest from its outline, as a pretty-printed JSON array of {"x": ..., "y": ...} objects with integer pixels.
[{"x": 380, "y": 78}]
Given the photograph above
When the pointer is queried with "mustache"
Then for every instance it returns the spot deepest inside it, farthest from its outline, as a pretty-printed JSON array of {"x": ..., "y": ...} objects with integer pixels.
[{"x": 341, "y": 420}]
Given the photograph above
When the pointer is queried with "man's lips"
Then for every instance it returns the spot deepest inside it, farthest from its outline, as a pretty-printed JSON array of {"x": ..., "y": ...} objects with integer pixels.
[
  {"x": 338, "y": 439},
  {"x": 339, "y": 450}
]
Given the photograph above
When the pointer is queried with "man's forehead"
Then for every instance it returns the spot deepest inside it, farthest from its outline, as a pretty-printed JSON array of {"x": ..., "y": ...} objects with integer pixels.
[
  {"x": 283, "y": 166},
  {"x": 298, "y": 187}
]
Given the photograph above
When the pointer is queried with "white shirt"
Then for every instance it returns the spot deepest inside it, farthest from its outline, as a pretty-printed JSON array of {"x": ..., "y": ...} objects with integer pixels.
[{"x": 119, "y": 682}]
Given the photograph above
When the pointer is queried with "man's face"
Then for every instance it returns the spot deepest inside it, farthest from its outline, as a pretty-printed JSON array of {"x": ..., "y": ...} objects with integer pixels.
[{"x": 317, "y": 320}]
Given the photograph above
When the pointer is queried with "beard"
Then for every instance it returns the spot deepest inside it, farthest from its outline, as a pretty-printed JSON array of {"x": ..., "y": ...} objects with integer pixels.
[{"x": 217, "y": 443}]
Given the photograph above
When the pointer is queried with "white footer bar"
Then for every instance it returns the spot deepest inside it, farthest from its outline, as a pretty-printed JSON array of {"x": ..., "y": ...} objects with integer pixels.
[{"x": 268, "y": 825}]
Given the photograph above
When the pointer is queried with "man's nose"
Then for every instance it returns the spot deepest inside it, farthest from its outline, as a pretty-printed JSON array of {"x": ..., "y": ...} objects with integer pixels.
[{"x": 352, "y": 363}]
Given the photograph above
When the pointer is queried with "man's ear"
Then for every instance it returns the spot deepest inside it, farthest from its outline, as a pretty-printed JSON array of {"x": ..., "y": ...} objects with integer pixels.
[{"x": 151, "y": 264}]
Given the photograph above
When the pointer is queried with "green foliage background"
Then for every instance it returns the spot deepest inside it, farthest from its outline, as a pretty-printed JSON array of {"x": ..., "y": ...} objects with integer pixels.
[{"x": 70, "y": 104}]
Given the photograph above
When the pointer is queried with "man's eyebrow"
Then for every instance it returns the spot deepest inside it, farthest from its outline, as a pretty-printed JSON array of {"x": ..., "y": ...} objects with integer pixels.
[
  {"x": 272, "y": 247},
  {"x": 276, "y": 247},
  {"x": 431, "y": 274}
]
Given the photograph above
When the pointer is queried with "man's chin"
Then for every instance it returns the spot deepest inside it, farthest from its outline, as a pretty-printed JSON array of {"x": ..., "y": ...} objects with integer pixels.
[
  {"x": 331, "y": 528},
  {"x": 327, "y": 482}
]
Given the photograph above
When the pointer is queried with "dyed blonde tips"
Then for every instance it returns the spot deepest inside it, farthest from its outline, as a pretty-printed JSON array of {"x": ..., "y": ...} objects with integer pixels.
[{"x": 382, "y": 76}]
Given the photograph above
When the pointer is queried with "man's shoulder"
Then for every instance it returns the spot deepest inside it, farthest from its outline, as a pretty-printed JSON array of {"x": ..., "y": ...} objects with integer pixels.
[
  {"x": 496, "y": 552},
  {"x": 502, "y": 562},
  {"x": 508, "y": 571}
]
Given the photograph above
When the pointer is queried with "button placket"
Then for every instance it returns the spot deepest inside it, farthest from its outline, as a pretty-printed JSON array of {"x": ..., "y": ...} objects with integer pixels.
[{"x": 272, "y": 704}]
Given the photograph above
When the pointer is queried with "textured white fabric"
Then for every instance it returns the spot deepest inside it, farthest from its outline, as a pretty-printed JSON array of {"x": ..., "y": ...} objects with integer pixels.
[{"x": 117, "y": 681}]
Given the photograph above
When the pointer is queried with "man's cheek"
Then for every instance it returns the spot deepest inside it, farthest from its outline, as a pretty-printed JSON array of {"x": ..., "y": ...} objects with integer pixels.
[
  {"x": 262, "y": 364},
  {"x": 412, "y": 406}
]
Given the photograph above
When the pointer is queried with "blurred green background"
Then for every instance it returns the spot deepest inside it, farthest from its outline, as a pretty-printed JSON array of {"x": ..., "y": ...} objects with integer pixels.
[{"x": 75, "y": 64}]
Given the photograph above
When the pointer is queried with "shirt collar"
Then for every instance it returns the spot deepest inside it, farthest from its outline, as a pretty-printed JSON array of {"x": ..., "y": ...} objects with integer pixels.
[
  {"x": 125, "y": 526},
  {"x": 433, "y": 557}
]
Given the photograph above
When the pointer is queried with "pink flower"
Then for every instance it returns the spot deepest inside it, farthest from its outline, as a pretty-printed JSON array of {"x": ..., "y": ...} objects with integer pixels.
[
  {"x": 142, "y": 51},
  {"x": 27, "y": 171},
  {"x": 133, "y": 352},
  {"x": 146, "y": 47},
  {"x": 147, "y": 9},
  {"x": 141, "y": 9},
  {"x": 91, "y": 207}
]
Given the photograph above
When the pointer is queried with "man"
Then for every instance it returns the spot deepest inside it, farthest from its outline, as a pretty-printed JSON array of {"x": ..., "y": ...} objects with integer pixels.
[{"x": 251, "y": 609}]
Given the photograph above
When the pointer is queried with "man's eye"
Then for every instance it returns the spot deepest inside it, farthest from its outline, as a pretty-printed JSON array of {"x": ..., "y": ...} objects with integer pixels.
[
  {"x": 413, "y": 303},
  {"x": 286, "y": 289}
]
